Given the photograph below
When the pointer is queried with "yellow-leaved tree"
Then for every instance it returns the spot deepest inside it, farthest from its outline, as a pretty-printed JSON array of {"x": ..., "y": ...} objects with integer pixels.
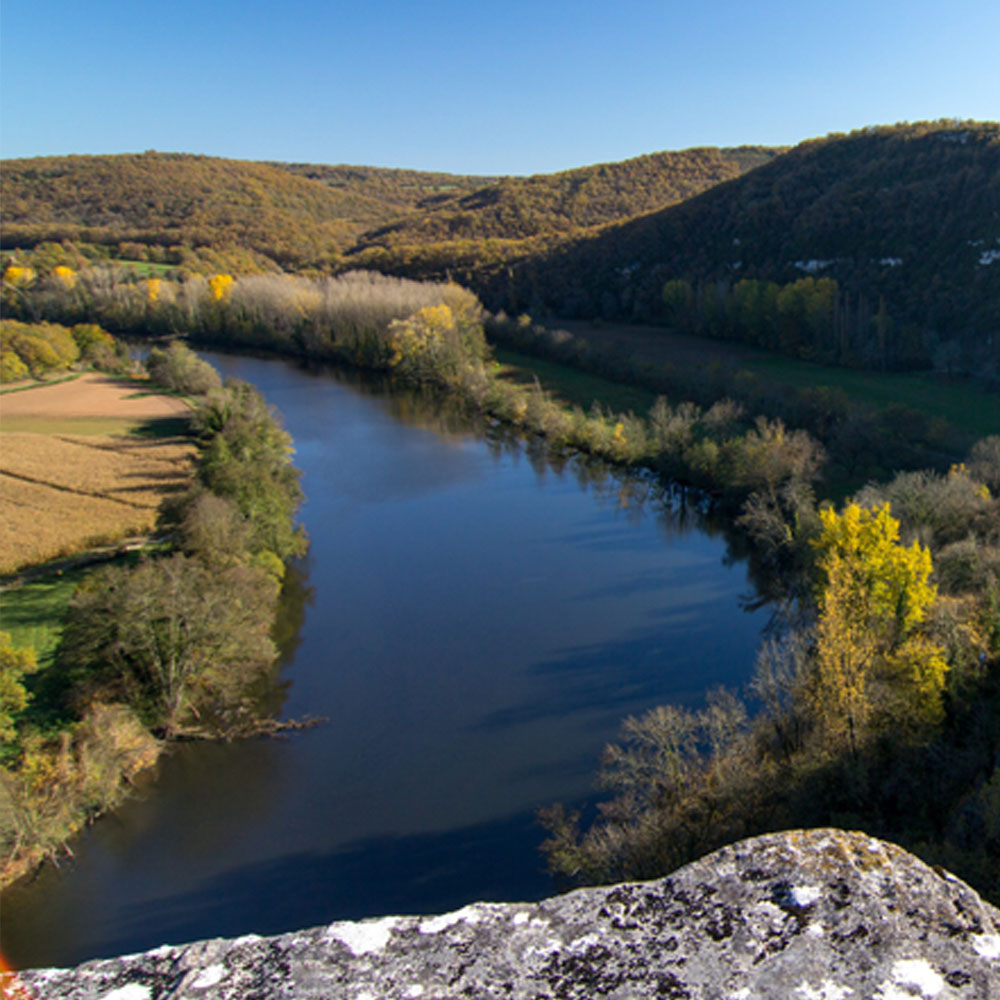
[
  {"x": 14, "y": 664},
  {"x": 876, "y": 667},
  {"x": 220, "y": 286},
  {"x": 66, "y": 276}
]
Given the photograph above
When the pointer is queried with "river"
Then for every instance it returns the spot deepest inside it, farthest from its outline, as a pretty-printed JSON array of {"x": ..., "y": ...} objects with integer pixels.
[{"x": 473, "y": 621}]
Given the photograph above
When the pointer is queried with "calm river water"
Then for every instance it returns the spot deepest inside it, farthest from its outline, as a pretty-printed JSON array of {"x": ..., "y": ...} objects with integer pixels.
[{"x": 474, "y": 622}]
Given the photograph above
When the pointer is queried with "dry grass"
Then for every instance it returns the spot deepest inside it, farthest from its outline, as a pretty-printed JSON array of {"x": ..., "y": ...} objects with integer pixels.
[{"x": 64, "y": 492}]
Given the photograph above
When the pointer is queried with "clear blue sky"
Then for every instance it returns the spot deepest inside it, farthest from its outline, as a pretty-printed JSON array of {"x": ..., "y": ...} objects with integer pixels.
[{"x": 480, "y": 86}]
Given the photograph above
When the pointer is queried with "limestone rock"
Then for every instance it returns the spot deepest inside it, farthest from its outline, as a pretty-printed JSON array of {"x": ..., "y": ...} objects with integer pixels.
[{"x": 804, "y": 915}]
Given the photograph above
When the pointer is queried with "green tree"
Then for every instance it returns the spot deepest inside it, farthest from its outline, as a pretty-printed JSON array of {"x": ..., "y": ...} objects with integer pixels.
[
  {"x": 246, "y": 458},
  {"x": 176, "y": 638}
]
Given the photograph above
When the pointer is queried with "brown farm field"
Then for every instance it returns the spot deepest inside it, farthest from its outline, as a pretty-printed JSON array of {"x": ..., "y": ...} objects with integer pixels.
[{"x": 74, "y": 472}]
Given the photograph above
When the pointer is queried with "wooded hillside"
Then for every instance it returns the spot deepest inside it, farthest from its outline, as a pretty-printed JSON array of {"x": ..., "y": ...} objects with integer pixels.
[
  {"x": 517, "y": 207},
  {"x": 306, "y": 215},
  {"x": 908, "y": 214},
  {"x": 901, "y": 224}
]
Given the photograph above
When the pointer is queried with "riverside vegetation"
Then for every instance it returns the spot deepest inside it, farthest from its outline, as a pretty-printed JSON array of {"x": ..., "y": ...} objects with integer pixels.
[
  {"x": 876, "y": 696},
  {"x": 174, "y": 644}
]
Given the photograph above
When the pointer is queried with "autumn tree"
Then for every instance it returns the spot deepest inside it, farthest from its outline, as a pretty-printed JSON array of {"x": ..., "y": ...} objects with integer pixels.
[
  {"x": 872, "y": 658},
  {"x": 14, "y": 665},
  {"x": 176, "y": 638},
  {"x": 179, "y": 368}
]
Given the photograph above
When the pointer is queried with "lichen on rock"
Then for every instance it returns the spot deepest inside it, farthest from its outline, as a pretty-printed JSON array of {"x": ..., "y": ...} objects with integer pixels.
[{"x": 803, "y": 915}]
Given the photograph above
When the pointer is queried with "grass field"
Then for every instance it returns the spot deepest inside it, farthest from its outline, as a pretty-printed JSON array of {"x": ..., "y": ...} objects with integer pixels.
[
  {"x": 77, "y": 472},
  {"x": 968, "y": 409},
  {"x": 573, "y": 387},
  {"x": 147, "y": 269},
  {"x": 33, "y": 612},
  {"x": 972, "y": 412}
]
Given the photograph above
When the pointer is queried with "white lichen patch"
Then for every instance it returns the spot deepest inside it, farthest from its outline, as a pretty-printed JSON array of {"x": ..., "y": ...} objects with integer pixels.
[
  {"x": 364, "y": 936},
  {"x": 416, "y": 990},
  {"x": 521, "y": 918},
  {"x": 827, "y": 990},
  {"x": 209, "y": 977},
  {"x": 134, "y": 991},
  {"x": 987, "y": 945},
  {"x": 806, "y": 895},
  {"x": 466, "y": 915},
  {"x": 911, "y": 977},
  {"x": 581, "y": 944}
]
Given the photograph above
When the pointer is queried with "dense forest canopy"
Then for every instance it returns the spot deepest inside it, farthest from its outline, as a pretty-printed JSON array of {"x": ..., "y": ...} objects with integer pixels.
[
  {"x": 306, "y": 214},
  {"x": 517, "y": 207},
  {"x": 908, "y": 213}
]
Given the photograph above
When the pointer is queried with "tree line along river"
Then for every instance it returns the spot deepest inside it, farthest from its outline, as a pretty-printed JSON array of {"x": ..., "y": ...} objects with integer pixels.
[{"x": 473, "y": 621}]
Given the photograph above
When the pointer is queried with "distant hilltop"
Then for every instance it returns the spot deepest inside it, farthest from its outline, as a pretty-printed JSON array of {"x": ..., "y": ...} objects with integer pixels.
[
  {"x": 306, "y": 215},
  {"x": 904, "y": 219}
]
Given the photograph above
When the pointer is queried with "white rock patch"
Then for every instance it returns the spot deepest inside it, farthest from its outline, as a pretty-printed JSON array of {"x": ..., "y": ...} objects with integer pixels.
[
  {"x": 209, "y": 977},
  {"x": 806, "y": 895},
  {"x": 917, "y": 974},
  {"x": 363, "y": 937},
  {"x": 987, "y": 945},
  {"x": 466, "y": 915},
  {"x": 131, "y": 992}
]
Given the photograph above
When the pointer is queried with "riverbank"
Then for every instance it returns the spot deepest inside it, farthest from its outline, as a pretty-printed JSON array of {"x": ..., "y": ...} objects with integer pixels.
[{"x": 104, "y": 668}]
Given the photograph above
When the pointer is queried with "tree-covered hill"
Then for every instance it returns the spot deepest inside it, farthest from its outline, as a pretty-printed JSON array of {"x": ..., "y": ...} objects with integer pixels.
[
  {"x": 897, "y": 228},
  {"x": 167, "y": 199},
  {"x": 307, "y": 215},
  {"x": 903, "y": 217},
  {"x": 517, "y": 207},
  {"x": 375, "y": 196}
]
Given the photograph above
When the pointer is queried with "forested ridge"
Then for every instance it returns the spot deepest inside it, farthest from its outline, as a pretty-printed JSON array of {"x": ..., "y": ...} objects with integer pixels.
[
  {"x": 903, "y": 219},
  {"x": 905, "y": 215},
  {"x": 307, "y": 214},
  {"x": 165, "y": 200},
  {"x": 519, "y": 207}
]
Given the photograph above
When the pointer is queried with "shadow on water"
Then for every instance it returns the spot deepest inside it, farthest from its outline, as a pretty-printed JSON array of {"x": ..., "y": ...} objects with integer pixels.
[
  {"x": 477, "y": 613},
  {"x": 423, "y": 874}
]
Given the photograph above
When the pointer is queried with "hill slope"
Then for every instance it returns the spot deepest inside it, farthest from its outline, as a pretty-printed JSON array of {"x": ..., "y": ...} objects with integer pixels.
[
  {"x": 167, "y": 199},
  {"x": 544, "y": 204},
  {"x": 308, "y": 214},
  {"x": 908, "y": 215}
]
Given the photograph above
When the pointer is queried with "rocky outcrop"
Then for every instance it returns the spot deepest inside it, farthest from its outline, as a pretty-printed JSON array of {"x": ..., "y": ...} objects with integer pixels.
[{"x": 805, "y": 915}]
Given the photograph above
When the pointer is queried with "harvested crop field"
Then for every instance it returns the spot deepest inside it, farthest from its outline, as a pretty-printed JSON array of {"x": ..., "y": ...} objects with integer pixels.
[
  {"x": 90, "y": 404},
  {"x": 65, "y": 488}
]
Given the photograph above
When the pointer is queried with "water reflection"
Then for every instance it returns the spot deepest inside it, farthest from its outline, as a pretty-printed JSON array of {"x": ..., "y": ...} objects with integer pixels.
[{"x": 475, "y": 616}]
